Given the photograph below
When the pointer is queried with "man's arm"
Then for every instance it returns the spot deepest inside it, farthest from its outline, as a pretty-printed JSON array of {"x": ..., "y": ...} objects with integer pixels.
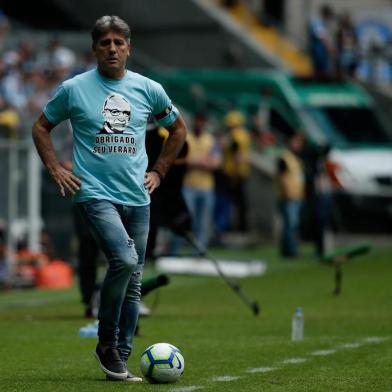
[
  {"x": 170, "y": 151},
  {"x": 43, "y": 142}
]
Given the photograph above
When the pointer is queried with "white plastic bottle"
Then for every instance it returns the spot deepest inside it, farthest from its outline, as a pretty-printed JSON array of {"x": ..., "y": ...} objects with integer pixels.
[{"x": 297, "y": 325}]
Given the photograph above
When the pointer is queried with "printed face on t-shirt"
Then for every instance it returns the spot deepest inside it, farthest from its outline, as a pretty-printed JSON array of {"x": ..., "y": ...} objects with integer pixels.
[{"x": 116, "y": 112}]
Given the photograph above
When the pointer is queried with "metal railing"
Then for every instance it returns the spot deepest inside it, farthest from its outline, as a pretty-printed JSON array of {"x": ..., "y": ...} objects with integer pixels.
[{"x": 20, "y": 194}]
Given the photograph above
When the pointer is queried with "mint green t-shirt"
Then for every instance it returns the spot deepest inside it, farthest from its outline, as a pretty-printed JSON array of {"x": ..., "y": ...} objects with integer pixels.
[{"x": 109, "y": 120}]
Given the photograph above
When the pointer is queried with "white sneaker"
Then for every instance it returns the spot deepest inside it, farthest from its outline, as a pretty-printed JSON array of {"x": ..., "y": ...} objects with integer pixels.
[{"x": 144, "y": 311}]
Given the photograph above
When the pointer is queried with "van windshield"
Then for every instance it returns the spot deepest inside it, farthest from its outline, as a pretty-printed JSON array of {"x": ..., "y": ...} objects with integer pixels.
[{"x": 350, "y": 125}]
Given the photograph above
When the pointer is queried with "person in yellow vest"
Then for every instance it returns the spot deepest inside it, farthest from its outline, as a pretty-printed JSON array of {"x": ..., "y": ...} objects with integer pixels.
[
  {"x": 291, "y": 187},
  {"x": 236, "y": 166},
  {"x": 9, "y": 121},
  {"x": 203, "y": 158}
]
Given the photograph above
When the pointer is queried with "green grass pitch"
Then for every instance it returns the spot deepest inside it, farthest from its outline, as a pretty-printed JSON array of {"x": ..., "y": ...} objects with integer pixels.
[{"x": 225, "y": 347}]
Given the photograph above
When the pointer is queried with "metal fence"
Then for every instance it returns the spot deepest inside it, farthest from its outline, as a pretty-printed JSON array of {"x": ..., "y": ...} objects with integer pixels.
[{"x": 20, "y": 194}]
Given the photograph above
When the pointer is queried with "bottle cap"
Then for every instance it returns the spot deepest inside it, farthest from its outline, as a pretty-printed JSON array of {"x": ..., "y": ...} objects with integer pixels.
[{"x": 298, "y": 309}]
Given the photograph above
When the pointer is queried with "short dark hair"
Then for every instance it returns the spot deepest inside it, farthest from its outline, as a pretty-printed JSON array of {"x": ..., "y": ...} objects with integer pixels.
[{"x": 108, "y": 23}]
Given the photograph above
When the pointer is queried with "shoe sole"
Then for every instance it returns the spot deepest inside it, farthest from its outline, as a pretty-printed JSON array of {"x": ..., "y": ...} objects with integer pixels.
[
  {"x": 117, "y": 376},
  {"x": 128, "y": 379},
  {"x": 133, "y": 379}
]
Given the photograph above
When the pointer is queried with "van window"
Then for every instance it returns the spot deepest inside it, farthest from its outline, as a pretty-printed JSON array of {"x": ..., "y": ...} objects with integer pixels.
[{"x": 355, "y": 125}]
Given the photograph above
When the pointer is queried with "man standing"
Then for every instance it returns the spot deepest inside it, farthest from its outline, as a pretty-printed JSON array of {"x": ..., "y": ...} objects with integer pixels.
[
  {"x": 321, "y": 41},
  {"x": 203, "y": 158},
  {"x": 291, "y": 186},
  {"x": 168, "y": 206},
  {"x": 236, "y": 166},
  {"x": 109, "y": 180}
]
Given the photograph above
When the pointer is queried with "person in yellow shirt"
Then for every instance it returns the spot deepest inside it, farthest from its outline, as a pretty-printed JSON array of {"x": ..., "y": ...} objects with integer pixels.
[
  {"x": 291, "y": 188},
  {"x": 236, "y": 166},
  {"x": 203, "y": 159},
  {"x": 9, "y": 121}
]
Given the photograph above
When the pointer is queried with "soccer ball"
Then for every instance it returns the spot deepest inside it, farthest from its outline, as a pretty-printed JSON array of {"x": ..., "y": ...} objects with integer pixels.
[{"x": 162, "y": 363}]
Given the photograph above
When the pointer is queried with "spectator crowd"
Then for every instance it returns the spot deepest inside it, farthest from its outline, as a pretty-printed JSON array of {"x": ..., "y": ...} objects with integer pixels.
[
  {"x": 333, "y": 43},
  {"x": 28, "y": 77}
]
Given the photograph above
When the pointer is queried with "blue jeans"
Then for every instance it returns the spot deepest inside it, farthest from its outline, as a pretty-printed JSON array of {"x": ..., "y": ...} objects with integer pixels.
[
  {"x": 290, "y": 210},
  {"x": 222, "y": 212},
  {"x": 121, "y": 232},
  {"x": 201, "y": 207}
]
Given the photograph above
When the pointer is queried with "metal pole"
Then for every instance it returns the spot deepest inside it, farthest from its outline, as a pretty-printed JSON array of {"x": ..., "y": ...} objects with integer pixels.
[
  {"x": 12, "y": 210},
  {"x": 254, "y": 306},
  {"x": 34, "y": 200}
]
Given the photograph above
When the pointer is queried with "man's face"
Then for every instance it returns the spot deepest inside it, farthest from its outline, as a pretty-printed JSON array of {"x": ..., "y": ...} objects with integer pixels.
[
  {"x": 112, "y": 51},
  {"x": 117, "y": 112}
]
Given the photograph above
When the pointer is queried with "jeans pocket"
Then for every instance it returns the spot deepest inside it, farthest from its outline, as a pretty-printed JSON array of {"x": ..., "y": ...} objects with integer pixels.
[{"x": 88, "y": 205}]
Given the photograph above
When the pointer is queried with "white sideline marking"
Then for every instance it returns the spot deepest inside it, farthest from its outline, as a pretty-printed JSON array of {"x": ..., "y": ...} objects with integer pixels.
[
  {"x": 225, "y": 378},
  {"x": 186, "y": 389},
  {"x": 370, "y": 339},
  {"x": 350, "y": 345},
  {"x": 323, "y": 353},
  {"x": 294, "y": 360},
  {"x": 260, "y": 370},
  {"x": 375, "y": 339}
]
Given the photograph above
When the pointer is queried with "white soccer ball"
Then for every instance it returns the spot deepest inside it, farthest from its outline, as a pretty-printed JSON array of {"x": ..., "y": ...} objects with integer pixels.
[{"x": 162, "y": 363}]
